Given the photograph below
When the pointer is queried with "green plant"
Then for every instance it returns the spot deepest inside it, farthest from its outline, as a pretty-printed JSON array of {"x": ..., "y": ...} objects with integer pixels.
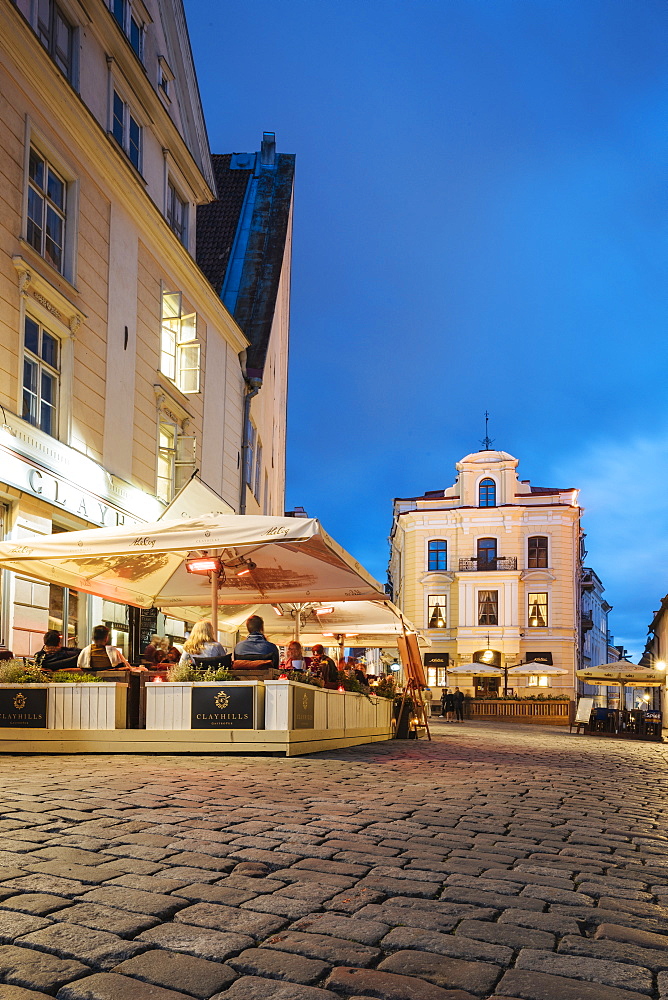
[
  {"x": 17, "y": 671},
  {"x": 182, "y": 672},
  {"x": 306, "y": 677},
  {"x": 386, "y": 687},
  {"x": 69, "y": 677}
]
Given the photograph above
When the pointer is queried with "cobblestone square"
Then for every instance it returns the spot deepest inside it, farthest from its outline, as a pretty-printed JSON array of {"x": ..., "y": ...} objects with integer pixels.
[{"x": 495, "y": 861}]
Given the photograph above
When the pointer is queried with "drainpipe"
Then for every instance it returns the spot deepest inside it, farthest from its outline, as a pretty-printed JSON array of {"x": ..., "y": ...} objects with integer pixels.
[{"x": 253, "y": 386}]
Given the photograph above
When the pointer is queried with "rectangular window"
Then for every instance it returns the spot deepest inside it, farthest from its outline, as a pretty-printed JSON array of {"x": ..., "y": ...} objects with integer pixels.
[
  {"x": 129, "y": 23},
  {"x": 437, "y": 558},
  {"x": 176, "y": 459},
  {"x": 41, "y": 377},
  {"x": 258, "y": 471},
  {"x": 56, "y": 35},
  {"x": 437, "y": 611},
  {"x": 537, "y": 610},
  {"x": 47, "y": 192},
  {"x": 537, "y": 552},
  {"x": 535, "y": 680},
  {"x": 179, "y": 346},
  {"x": 488, "y": 607},
  {"x": 177, "y": 213},
  {"x": 126, "y": 130},
  {"x": 249, "y": 457}
]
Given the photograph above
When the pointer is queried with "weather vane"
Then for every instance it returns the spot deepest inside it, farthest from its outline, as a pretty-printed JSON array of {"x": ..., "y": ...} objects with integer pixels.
[{"x": 487, "y": 441}]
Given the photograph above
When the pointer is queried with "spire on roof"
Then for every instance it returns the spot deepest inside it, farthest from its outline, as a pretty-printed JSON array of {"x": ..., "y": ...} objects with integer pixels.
[{"x": 487, "y": 441}]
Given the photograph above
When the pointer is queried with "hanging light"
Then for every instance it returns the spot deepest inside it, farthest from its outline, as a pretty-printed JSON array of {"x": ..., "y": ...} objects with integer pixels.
[
  {"x": 278, "y": 609},
  {"x": 323, "y": 611},
  {"x": 203, "y": 564}
]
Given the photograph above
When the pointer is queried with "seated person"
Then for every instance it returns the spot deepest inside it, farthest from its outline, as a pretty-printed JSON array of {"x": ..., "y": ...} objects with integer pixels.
[
  {"x": 324, "y": 665},
  {"x": 201, "y": 646},
  {"x": 294, "y": 657},
  {"x": 170, "y": 654},
  {"x": 54, "y": 656},
  {"x": 153, "y": 652},
  {"x": 101, "y": 656},
  {"x": 256, "y": 647}
]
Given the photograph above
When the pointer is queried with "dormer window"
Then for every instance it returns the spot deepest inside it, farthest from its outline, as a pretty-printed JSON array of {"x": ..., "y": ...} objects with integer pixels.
[{"x": 487, "y": 493}]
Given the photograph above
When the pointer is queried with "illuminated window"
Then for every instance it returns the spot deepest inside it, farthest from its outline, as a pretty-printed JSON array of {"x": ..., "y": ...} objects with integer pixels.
[
  {"x": 47, "y": 192},
  {"x": 437, "y": 554},
  {"x": 537, "y": 552},
  {"x": 176, "y": 459},
  {"x": 487, "y": 493},
  {"x": 535, "y": 680},
  {"x": 488, "y": 607},
  {"x": 537, "y": 610},
  {"x": 179, "y": 347},
  {"x": 41, "y": 377},
  {"x": 437, "y": 611}
]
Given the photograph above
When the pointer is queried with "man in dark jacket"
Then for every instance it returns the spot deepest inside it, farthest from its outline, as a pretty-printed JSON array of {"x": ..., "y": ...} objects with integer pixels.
[
  {"x": 256, "y": 646},
  {"x": 325, "y": 666},
  {"x": 459, "y": 705},
  {"x": 54, "y": 656}
]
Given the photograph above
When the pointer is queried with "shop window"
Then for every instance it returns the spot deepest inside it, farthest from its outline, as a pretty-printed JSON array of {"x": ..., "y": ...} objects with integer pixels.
[
  {"x": 129, "y": 23},
  {"x": 56, "y": 35},
  {"x": 436, "y": 677},
  {"x": 437, "y": 557},
  {"x": 126, "y": 130},
  {"x": 179, "y": 346},
  {"x": 535, "y": 680},
  {"x": 176, "y": 459},
  {"x": 436, "y": 611},
  {"x": 177, "y": 214},
  {"x": 487, "y": 493},
  {"x": 488, "y": 607},
  {"x": 486, "y": 554},
  {"x": 537, "y": 610},
  {"x": 537, "y": 552},
  {"x": 47, "y": 196},
  {"x": 64, "y": 614},
  {"x": 41, "y": 377}
]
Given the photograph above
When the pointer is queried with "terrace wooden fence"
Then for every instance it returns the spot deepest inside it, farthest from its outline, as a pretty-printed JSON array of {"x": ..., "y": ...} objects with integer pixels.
[{"x": 543, "y": 713}]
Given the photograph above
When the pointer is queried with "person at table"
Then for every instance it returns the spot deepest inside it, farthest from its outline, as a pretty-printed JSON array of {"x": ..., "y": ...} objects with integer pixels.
[
  {"x": 170, "y": 652},
  {"x": 202, "y": 645},
  {"x": 325, "y": 667},
  {"x": 53, "y": 655},
  {"x": 100, "y": 655},
  {"x": 294, "y": 657},
  {"x": 256, "y": 647},
  {"x": 153, "y": 652}
]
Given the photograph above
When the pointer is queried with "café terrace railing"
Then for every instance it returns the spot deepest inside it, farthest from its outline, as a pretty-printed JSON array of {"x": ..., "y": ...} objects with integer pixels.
[{"x": 485, "y": 565}]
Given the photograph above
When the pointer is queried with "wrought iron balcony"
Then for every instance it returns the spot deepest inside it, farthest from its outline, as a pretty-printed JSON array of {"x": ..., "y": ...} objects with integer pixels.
[
  {"x": 587, "y": 621},
  {"x": 487, "y": 565}
]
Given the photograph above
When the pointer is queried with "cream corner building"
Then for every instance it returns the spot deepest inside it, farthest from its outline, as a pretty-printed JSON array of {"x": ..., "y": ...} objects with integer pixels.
[{"x": 489, "y": 569}]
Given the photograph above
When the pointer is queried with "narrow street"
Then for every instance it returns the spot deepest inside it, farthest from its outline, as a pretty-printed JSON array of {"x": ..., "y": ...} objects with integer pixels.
[{"x": 493, "y": 862}]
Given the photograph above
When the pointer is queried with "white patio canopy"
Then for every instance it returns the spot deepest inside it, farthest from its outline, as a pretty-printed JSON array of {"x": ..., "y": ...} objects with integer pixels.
[{"x": 264, "y": 560}]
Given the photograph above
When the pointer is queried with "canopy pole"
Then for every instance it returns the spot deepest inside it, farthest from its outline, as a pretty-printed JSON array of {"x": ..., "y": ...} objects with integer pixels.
[
  {"x": 298, "y": 609},
  {"x": 214, "y": 604}
]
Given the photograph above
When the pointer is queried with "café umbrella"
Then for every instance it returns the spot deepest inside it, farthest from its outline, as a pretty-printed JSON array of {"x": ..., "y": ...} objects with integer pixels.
[
  {"x": 623, "y": 673},
  {"x": 533, "y": 667},
  {"x": 252, "y": 559},
  {"x": 475, "y": 670}
]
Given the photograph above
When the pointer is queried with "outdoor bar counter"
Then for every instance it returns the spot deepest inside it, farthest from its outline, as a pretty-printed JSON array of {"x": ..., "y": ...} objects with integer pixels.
[{"x": 281, "y": 717}]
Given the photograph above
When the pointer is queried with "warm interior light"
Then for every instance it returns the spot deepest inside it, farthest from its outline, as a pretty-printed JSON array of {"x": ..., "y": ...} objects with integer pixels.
[
  {"x": 205, "y": 564},
  {"x": 487, "y": 656},
  {"x": 327, "y": 635},
  {"x": 323, "y": 611},
  {"x": 350, "y": 635},
  {"x": 660, "y": 665},
  {"x": 278, "y": 609},
  {"x": 243, "y": 572}
]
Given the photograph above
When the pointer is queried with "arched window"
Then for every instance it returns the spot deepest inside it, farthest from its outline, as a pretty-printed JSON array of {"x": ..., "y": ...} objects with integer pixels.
[
  {"x": 487, "y": 493},
  {"x": 437, "y": 558},
  {"x": 486, "y": 554},
  {"x": 537, "y": 552}
]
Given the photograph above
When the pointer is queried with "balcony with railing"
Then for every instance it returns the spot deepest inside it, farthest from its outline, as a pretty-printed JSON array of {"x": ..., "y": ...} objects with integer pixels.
[{"x": 487, "y": 565}]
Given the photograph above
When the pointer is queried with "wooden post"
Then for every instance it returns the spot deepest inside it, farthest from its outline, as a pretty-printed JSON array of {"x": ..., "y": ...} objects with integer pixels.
[{"x": 214, "y": 603}]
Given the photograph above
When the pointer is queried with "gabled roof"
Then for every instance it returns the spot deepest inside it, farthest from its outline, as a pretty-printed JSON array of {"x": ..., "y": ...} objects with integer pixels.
[{"x": 217, "y": 223}]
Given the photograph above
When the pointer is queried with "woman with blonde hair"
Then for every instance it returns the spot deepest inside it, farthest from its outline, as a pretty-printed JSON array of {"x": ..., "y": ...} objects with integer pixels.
[{"x": 201, "y": 645}]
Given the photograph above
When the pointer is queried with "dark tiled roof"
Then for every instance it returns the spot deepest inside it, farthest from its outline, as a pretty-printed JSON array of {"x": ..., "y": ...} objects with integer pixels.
[
  {"x": 217, "y": 223},
  {"x": 547, "y": 490}
]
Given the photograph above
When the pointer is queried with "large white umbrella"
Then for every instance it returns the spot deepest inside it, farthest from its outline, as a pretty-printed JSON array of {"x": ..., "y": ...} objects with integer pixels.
[
  {"x": 476, "y": 670},
  {"x": 623, "y": 672},
  {"x": 534, "y": 667},
  {"x": 262, "y": 560}
]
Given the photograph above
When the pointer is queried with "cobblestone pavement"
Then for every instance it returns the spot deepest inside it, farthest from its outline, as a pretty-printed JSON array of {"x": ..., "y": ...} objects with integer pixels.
[{"x": 493, "y": 862}]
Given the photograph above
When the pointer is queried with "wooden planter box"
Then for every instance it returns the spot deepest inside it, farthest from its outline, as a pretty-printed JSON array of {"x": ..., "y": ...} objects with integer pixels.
[
  {"x": 291, "y": 705},
  {"x": 211, "y": 705},
  {"x": 99, "y": 705},
  {"x": 542, "y": 713}
]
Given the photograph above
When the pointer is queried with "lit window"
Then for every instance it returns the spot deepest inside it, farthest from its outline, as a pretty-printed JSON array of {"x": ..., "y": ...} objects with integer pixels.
[
  {"x": 56, "y": 35},
  {"x": 486, "y": 554},
  {"x": 488, "y": 607},
  {"x": 177, "y": 213},
  {"x": 176, "y": 459},
  {"x": 535, "y": 680},
  {"x": 487, "y": 493},
  {"x": 126, "y": 130},
  {"x": 537, "y": 546},
  {"x": 179, "y": 346},
  {"x": 538, "y": 610},
  {"x": 47, "y": 191},
  {"x": 436, "y": 612},
  {"x": 41, "y": 376},
  {"x": 437, "y": 555}
]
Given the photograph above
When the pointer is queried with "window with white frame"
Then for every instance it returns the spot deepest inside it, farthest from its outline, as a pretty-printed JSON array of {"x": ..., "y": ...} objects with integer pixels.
[
  {"x": 56, "y": 35},
  {"x": 437, "y": 611},
  {"x": 488, "y": 607},
  {"x": 176, "y": 458},
  {"x": 179, "y": 346},
  {"x": 46, "y": 210},
  {"x": 130, "y": 24},
  {"x": 538, "y": 680},
  {"x": 257, "y": 479},
  {"x": 126, "y": 130},
  {"x": 538, "y": 610},
  {"x": 41, "y": 377},
  {"x": 176, "y": 213}
]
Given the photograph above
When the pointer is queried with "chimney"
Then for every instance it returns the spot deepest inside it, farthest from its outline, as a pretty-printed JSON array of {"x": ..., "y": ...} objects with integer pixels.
[{"x": 268, "y": 152}]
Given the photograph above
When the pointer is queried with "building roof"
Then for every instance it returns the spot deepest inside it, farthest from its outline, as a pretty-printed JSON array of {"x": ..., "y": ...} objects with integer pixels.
[
  {"x": 242, "y": 239},
  {"x": 486, "y": 457}
]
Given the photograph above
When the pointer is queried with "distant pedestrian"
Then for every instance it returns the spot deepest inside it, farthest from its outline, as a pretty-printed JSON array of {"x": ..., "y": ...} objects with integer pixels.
[
  {"x": 444, "y": 694},
  {"x": 459, "y": 705},
  {"x": 449, "y": 707}
]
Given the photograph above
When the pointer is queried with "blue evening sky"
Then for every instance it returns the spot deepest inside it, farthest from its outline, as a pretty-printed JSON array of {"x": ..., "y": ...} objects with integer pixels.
[{"x": 480, "y": 223}]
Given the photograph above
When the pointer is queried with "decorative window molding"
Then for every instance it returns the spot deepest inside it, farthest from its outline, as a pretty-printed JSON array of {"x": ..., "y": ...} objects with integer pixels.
[
  {"x": 437, "y": 555},
  {"x": 487, "y": 493},
  {"x": 176, "y": 448},
  {"x": 537, "y": 610},
  {"x": 437, "y": 608}
]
